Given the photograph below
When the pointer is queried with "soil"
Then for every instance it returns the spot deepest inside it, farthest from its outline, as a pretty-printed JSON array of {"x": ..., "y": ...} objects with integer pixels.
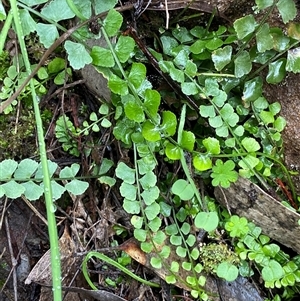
[{"x": 94, "y": 216}]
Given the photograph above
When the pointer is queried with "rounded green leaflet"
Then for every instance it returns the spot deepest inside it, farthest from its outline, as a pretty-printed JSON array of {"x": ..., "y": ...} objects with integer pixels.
[
  {"x": 202, "y": 162},
  {"x": 212, "y": 145},
  {"x": 207, "y": 221},
  {"x": 172, "y": 151},
  {"x": 272, "y": 271},
  {"x": 187, "y": 140},
  {"x": 150, "y": 131},
  {"x": 227, "y": 271},
  {"x": 183, "y": 189},
  {"x": 169, "y": 123},
  {"x": 222, "y": 57}
]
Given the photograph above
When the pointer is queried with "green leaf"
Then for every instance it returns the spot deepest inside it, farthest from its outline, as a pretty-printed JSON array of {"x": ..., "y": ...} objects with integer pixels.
[
  {"x": 279, "y": 124},
  {"x": 181, "y": 252},
  {"x": 150, "y": 195},
  {"x": 47, "y": 33},
  {"x": 238, "y": 227},
  {"x": 293, "y": 32},
  {"x": 150, "y": 131},
  {"x": 42, "y": 73},
  {"x": 183, "y": 189},
  {"x": 275, "y": 107},
  {"x": 137, "y": 74},
  {"x": 155, "y": 224},
  {"x": 104, "y": 5},
  {"x": 69, "y": 172},
  {"x": 165, "y": 252},
  {"x": 57, "y": 190},
  {"x": 212, "y": 145},
  {"x": 227, "y": 271},
  {"x": 102, "y": 57},
  {"x": 293, "y": 60},
  {"x": 187, "y": 140},
  {"x": 264, "y": 39},
  {"x": 228, "y": 114},
  {"x": 250, "y": 144},
  {"x": 207, "y": 111},
  {"x": 185, "y": 228},
  {"x": 133, "y": 110},
  {"x": 137, "y": 221},
  {"x": 107, "y": 180},
  {"x": 222, "y": 131},
  {"x": 159, "y": 237},
  {"x": 117, "y": 85},
  {"x": 244, "y": 26},
  {"x": 56, "y": 65},
  {"x": 32, "y": 191},
  {"x": 214, "y": 43},
  {"x": 189, "y": 88},
  {"x": 156, "y": 262},
  {"x": 182, "y": 35},
  {"x": 26, "y": 169},
  {"x": 148, "y": 180},
  {"x": 140, "y": 234},
  {"x": 223, "y": 173},
  {"x": 272, "y": 271},
  {"x": 177, "y": 75},
  {"x": 248, "y": 163},
  {"x": 287, "y": 10},
  {"x": 57, "y": 10},
  {"x": 124, "y": 48},
  {"x": 277, "y": 71},
  {"x": 39, "y": 173},
  {"x": 252, "y": 89},
  {"x": 175, "y": 240},
  {"x": 131, "y": 207},
  {"x": 168, "y": 44},
  {"x": 267, "y": 117},
  {"x": 191, "y": 240},
  {"x": 28, "y": 24},
  {"x": 262, "y": 4},
  {"x": 77, "y": 55},
  {"x": 125, "y": 173},
  {"x": 202, "y": 162},
  {"x": 77, "y": 187},
  {"x": 169, "y": 123},
  {"x": 220, "y": 99},
  {"x": 104, "y": 109},
  {"x": 152, "y": 211},
  {"x": 216, "y": 121},
  {"x": 172, "y": 151},
  {"x": 207, "y": 220},
  {"x": 128, "y": 191},
  {"x": 190, "y": 68},
  {"x": 222, "y": 57},
  {"x": 212, "y": 87},
  {"x": 171, "y": 229},
  {"x": 181, "y": 59},
  {"x": 242, "y": 64},
  {"x": 152, "y": 102},
  {"x": 13, "y": 189},
  {"x": 112, "y": 23}
]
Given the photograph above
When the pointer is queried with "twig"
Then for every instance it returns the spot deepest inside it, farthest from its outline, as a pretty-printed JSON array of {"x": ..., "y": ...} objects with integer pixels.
[
  {"x": 28, "y": 203},
  {"x": 167, "y": 14},
  {"x": 13, "y": 262}
]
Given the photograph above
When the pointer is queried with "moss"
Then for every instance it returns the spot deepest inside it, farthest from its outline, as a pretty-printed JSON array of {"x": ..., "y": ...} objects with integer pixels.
[
  {"x": 17, "y": 141},
  {"x": 213, "y": 254}
]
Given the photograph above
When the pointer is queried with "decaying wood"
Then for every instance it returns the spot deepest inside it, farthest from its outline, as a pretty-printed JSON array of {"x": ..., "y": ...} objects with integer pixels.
[{"x": 277, "y": 221}]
